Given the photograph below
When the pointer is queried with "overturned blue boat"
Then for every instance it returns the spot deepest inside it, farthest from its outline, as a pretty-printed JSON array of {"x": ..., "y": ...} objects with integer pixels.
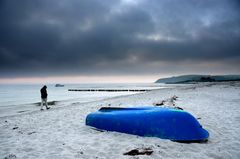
[{"x": 164, "y": 123}]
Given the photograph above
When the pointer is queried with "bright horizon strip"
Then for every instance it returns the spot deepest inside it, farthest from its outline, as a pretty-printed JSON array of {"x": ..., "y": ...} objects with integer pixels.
[{"x": 80, "y": 79}]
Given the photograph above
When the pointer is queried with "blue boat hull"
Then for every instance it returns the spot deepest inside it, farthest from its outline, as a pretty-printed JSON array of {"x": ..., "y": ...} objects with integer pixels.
[{"x": 164, "y": 123}]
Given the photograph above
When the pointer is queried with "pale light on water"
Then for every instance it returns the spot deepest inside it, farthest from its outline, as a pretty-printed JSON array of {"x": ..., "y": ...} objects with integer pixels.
[{"x": 21, "y": 97}]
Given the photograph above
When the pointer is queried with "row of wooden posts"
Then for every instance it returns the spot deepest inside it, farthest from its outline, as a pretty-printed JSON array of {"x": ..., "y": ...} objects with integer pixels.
[{"x": 110, "y": 90}]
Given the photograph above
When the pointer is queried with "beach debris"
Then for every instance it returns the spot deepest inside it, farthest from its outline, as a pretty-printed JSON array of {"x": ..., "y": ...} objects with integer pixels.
[
  {"x": 32, "y": 133},
  {"x": 6, "y": 121},
  {"x": 159, "y": 103},
  {"x": 10, "y": 156},
  {"x": 172, "y": 100},
  {"x": 175, "y": 97},
  {"x": 144, "y": 151},
  {"x": 15, "y": 127},
  {"x": 169, "y": 101},
  {"x": 79, "y": 154},
  {"x": 179, "y": 108}
]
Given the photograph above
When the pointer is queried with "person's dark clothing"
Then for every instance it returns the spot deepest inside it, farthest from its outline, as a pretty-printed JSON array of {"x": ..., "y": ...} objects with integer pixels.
[{"x": 44, "y": 92}]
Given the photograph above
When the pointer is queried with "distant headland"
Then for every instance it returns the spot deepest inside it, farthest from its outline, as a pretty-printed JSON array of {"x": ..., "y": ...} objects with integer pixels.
[{"x": 198, "y": 78}]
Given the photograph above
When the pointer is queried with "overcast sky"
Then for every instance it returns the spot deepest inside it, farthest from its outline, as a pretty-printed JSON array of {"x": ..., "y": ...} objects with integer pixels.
[{"x": 101, "y": 38}]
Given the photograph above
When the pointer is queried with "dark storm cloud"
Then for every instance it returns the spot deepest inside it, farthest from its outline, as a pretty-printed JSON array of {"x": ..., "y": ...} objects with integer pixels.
[{"x": 66, "y": 37}]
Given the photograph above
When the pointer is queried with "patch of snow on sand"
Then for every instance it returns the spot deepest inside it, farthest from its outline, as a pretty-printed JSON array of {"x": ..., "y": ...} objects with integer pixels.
[{"x": 61, "y": 132}]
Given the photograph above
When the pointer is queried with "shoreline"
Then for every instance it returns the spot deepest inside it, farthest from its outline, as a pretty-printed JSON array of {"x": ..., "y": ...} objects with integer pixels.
[{"x": 14, "y": 101}]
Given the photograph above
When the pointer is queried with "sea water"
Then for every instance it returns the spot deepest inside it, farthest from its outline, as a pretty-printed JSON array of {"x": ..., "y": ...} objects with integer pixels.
[{"x": 19, "y": 98}]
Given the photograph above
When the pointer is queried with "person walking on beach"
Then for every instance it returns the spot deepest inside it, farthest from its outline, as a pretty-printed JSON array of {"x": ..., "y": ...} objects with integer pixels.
[{"x": 44, "y": 97}]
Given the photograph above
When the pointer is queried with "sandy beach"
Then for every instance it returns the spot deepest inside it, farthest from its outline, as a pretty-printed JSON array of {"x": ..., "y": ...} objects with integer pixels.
[{"x": 61, "y": 131}]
